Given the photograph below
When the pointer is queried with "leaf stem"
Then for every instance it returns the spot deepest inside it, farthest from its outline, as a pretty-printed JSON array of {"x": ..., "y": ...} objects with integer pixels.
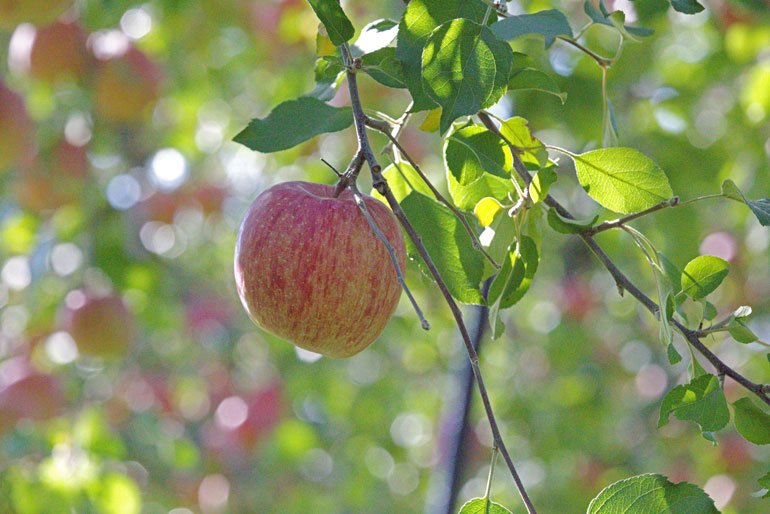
[{"x": 617, "y": 223}]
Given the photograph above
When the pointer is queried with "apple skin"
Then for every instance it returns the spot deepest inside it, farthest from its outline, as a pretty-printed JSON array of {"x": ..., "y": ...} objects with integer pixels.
[
  {"x": 125, "y": 86},
  {"x": 59, "y": 52},
  {"x": 309, "y": 269},
  {"x": 102, "y": 326},
  {"x": 26, "y": 393},
  {"x": 17, "y": 131},
  {"x": 36, "y": 12}
]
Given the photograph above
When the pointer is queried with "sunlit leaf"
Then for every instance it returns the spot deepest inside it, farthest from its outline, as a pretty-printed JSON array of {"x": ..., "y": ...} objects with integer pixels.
[
  {"x": 479, "y": 506},
  {"x": 541, "y": 184},
  {"x": 449, "y": 245},
  {"x": 485, "y": 210},
  {"x": 459, "y": 69},
  {"x": 622, "y": 179},
  {"x": 402, "y": 179},
  {"x": 651, "y": 493},
  {"x": 383, "y": 67},
  {"x": 701, "y": 401},
  {"x": 703, "y": 274}
]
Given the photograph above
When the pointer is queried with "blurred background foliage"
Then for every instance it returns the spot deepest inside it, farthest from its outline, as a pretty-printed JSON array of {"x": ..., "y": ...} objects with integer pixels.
[{"x": 121, "y": 197}]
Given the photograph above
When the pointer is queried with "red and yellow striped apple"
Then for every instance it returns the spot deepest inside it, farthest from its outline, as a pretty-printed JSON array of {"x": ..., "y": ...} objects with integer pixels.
[{"x": 309, "y": 269}]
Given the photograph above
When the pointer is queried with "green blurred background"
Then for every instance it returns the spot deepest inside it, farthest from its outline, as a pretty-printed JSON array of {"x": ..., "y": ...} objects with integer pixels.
[{"x": 119, "y": 180}]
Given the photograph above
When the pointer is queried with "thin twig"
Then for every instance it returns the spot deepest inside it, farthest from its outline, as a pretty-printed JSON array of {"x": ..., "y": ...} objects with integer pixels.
[
  {"x": 392, "y": 251},
  {"x": 607, "y": 225},
  {"x": 381, "y": 185},
  {"x": 385, "y": 129},
  {"x": 624, "y": 283}
]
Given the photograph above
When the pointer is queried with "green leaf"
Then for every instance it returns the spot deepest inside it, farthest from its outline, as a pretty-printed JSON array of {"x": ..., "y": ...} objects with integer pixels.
[
  {"x": 328, "y": 76},
  {"x": 448, "y": 244},
  {"x": 518, "y": 270},
  {"x": 472, "y": 150},
  {"x": 531, "y": 78},
  {"x": 374, "y": 36},
  {"x": 709, "y": 311},
  {"x": 760, "y": 208},
  {"x": 703, "y": 274},
  {"x": 549, "y": 24},
  {"x": 332, "y": 16},
  {"x": 701, "y": 401},
  {"x": 647, "y": 494},
  {"x": 687, "y": 6},
  {"x": 459, "y": 69},
  {"x": 740, "y": 332},
  {"x": 569, "y": 226},
  {"x": 672, "y": 272},
  {"x": 513, "y": 281},
  {"x": 622, "y": 179},
  {"x": 293, "y": 122},
  {"x": 516, "y": 131},
  {"x": 465, "y": 197},
  {"x": 383, "y": 67},
  {"x": 402, "y": 179},
  {"x": 486, "y": 210},
  {"x": 503, "y": 64},
  {"x": 673, "y": 355},
  {"x": 603, "y": 19},
  {"x": 764, "y": 481},
  {"x": 541, "y": 184},
  {"x": 663, "y": 286},
  {"x": 417, "y": 23},
  {"x": 752, "y": 422},
  {"x": 731, "y": 191},
  {"x": 479, "y": 505}
]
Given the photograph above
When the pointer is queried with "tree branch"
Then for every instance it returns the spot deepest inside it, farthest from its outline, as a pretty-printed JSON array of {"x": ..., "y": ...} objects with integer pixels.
[
  {"x": 625, "y": 284},
  {"x": 381, "y": 185},
  {"x": 607, "y": 225}
]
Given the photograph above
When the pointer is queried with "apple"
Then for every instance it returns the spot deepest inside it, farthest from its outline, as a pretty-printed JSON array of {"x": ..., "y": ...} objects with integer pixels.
[
  {"x": 17, "y": 131},
  {"x": 37, "y": 12},
  {"x": 56, "y": 178},
  {"x": 26, "y": 393},
  {"x": 100, "y": 326},
  {"x": 125, "y": 86},
  {"x": 309, "y": 269},
  {"x": 59, "y": 52}
]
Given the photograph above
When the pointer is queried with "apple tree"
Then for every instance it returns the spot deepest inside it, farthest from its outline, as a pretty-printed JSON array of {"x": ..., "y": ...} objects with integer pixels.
[{"x": 577, "y": 319}]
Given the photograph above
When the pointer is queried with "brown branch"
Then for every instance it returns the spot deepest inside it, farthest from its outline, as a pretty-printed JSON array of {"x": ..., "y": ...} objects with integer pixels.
[
  {"x": 607, "y": 225},
  {"x": 625, "y": 284},
  {"x": 381, "y": 185}
]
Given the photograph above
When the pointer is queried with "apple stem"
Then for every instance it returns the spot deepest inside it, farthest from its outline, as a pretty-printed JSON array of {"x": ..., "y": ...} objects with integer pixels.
[
  {"x": 385, "y": 129},
  {"x": 693, "y": 337},
  {"x": 392, "y": 251},
  {"x": 348, "y": 179}
]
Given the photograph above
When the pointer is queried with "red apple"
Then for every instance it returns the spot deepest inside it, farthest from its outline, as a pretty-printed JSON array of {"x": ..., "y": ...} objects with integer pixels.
[
  {"x": 25, "y": 393},
  {"x": 100, "y": 325},
  {"x": 17, "y": 132},
  {"x": 59, "y": 52},
  {"x": 125, "y": 86},
  {"x": 37, "y": 12},
  {"x": 54, "y": 179},
  {"x": 309, "y": 269}
]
